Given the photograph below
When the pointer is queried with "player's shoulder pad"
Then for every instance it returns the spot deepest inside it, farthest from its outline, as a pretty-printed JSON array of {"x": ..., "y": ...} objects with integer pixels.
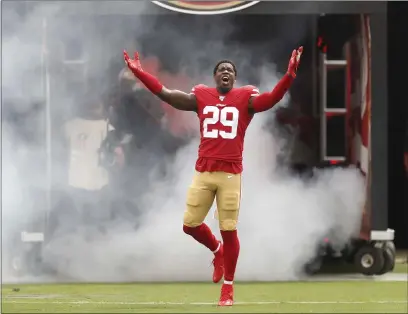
[
  {"x": 198, "y": 88},
  {"x": 253, "y": 90}
]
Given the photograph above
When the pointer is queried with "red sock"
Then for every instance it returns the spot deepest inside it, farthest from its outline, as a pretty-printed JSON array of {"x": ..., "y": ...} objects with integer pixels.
[
  {"x": 203, "y": 234},
  {"x": 231, "y": 253}
]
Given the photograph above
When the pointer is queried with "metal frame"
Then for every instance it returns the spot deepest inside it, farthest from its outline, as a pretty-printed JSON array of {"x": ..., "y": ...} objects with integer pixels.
[
  {"x": 379, "y": 122},
  {"x": 378, "y": 147},
  {"x": 325, "y": 66}
]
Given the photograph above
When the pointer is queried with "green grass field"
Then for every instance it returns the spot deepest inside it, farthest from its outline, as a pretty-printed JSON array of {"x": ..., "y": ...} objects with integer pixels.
[
  {"x": 288, "y": 297},
  {"x": 366, "y": 296}
]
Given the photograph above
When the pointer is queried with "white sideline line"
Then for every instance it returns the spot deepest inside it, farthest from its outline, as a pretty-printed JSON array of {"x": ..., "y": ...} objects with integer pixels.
[{"x": 205, "y": 303}]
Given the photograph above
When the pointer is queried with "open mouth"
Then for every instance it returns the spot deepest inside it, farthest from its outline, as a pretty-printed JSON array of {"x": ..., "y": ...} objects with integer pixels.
[{"x": 225, "y": 78}]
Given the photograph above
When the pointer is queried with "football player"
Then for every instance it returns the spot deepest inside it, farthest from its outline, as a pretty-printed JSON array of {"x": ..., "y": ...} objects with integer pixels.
[{"x": 224, "y": 113}]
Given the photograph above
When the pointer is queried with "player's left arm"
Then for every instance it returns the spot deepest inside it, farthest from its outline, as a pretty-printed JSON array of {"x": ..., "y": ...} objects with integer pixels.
[{"x": 265, "y": 101}]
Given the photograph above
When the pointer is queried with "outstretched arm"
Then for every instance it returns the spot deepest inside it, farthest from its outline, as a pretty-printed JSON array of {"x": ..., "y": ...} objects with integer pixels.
[
  {"x": 175, "y": 98},
  {"x": 267, "y": 100},
  {"x": 178, "y": 99}
]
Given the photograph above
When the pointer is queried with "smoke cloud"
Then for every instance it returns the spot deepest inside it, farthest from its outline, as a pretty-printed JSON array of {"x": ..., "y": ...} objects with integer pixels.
[{"x": 283, "y": 217}]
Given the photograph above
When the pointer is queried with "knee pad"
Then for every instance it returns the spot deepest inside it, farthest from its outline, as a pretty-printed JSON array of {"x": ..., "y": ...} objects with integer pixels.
[
  {"x": 228, "y": 224},
  {"x": 189, "y": 220}
]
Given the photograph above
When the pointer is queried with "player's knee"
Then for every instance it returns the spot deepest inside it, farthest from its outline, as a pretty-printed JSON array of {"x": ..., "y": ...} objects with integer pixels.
[
  {"x": 228, "y": 224},
  {"x": 189, "y": 221}
]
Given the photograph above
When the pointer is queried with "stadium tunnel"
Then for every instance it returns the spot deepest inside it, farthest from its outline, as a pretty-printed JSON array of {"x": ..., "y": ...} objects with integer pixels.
[{"x": 326, "y": 36}]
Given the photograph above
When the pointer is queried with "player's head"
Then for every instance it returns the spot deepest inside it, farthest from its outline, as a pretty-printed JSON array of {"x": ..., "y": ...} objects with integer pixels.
[{"x": 225, "y": 74}]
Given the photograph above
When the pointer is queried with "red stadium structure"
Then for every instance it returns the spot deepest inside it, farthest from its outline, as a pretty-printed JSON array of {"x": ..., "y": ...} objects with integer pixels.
[{"x": 373, "y": 252}]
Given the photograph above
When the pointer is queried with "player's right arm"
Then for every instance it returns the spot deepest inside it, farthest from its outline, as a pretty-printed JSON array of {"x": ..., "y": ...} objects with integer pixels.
[
  {"x": 178, "y": 99},
  {"x": 175, "y": 98}
]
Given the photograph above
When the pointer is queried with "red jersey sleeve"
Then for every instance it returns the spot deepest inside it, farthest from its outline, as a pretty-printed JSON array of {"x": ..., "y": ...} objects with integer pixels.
[
  {"x": 197, "y": 89},
  {"x": 252, "y": 91},
  {"x": 248, "y": 92},
  {"x": 199, "y": 92}
]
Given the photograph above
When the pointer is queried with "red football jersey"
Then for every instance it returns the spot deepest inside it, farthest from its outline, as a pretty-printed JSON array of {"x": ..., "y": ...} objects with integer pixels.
[{"x": 224, "y": 119}]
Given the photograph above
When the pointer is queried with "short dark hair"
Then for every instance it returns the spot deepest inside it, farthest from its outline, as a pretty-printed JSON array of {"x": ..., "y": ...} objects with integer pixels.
[{"x": 225, "y": 61}]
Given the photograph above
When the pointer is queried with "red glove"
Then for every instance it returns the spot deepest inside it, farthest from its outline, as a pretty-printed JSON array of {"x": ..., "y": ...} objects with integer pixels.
[
  {"x": 133, "y": 65},
  {"x": 151, "y": 82},
  {"x": 294, "y": 61}
]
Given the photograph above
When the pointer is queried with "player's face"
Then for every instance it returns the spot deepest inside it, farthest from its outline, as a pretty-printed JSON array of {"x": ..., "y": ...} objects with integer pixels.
[{"x": 224, "y": 77}]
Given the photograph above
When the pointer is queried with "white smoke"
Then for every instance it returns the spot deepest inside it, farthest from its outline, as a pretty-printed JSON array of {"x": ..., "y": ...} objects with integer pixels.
[{"x": 282, "y": 217}]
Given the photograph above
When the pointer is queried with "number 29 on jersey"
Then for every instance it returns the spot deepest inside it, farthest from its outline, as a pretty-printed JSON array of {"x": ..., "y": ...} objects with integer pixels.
[{"x": 227, "y": 116}]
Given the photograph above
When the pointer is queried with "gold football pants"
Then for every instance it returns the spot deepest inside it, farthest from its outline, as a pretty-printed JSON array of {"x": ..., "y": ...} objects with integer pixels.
[{"x": 225, "y": 188}]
